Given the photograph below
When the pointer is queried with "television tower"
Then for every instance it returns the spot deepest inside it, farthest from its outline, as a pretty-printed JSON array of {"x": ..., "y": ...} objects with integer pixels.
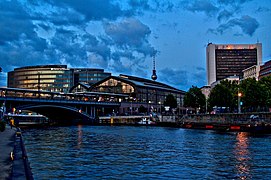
[{"x": 154, "y": 76}]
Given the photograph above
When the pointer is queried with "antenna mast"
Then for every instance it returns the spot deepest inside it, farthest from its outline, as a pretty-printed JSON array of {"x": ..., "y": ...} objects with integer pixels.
[{"x": 154, "y": 76}]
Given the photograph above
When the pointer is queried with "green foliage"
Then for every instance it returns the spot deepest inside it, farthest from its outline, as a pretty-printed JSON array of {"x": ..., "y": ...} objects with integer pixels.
[
  {"x": 224, "y": 95},
  {"x": 2, "y": 126},
  {"x": 195, "y": 98},
  {"x": 142, "y": 109},
  {"x": 170, "y": 101},
  {"x": 256, "y": 95},
  {"x": 265, "y": 84}
]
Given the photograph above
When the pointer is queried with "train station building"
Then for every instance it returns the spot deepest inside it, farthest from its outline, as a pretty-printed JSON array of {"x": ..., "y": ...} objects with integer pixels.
[{"x": 140, "y": 93}]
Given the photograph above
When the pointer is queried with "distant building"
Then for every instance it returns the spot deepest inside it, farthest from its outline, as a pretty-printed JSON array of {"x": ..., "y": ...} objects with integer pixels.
[
  {"x": 230, "y": 78},
  {"x": 88, "y": 75},
  {"x": 140, "y": 92},
  {"x": 265, "y": 70},
  {"x": 54, "y": 78},
  {"x": 206, "y": 91},
  {"x": 224, "y": 60},
  {"x": 252, "y": 72}
]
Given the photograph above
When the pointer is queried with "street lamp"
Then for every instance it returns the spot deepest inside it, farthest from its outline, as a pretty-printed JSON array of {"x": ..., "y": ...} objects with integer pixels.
[
  {"x": 239, "y": 103},
  {"x": 131, "y": 108},
  {"x": 149, "y": 103},
  {"x": 160, "y": 104}
]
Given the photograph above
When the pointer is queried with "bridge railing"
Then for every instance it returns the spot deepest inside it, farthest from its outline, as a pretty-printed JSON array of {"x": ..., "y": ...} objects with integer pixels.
[{"x": 32, "y": 95}]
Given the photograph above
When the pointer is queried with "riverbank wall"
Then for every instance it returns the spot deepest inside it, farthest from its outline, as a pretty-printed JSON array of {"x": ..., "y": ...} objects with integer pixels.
[
  {"x": 13, "y": 160},
  {"x": 21, "y": 166},
  {"x": 247, "y": 122}
]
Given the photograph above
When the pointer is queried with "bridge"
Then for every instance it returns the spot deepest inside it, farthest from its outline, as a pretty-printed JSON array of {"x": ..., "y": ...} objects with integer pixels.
[{"x": 60, "y": 106}]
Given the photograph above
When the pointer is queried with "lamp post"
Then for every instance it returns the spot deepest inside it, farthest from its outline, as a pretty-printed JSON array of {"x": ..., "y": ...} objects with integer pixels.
[
  {"x": 149, "y": 103},
  {"x": 131, "y": 108},
  {"x": 160, "y": 107},
  {"x": 239, "y": 103}
]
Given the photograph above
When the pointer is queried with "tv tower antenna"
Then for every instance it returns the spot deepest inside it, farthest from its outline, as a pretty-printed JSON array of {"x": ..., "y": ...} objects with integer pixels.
[{"x": 154, "y": 76}]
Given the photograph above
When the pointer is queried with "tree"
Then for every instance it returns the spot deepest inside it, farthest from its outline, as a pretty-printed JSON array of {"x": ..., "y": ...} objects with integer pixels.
[
  {"x": 224, "y": 95},
  {"x": 253, "y": 94},
  {"x": 142, "y": 109},
  {"x": 170, "y": 101},
  {"x": 195, "y": 98},
  {"x": 265, "y": 84}
]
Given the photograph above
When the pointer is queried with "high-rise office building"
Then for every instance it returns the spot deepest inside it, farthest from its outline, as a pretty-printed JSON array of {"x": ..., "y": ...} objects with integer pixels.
[
  {"x": 54, "y": 78},
  {"x": 224, "y": 60},
  {"x": 265, "y": 69}
]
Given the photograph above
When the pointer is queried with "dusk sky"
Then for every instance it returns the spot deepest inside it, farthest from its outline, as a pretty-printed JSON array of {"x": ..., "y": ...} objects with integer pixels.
[{"x": 121, "y": 36}]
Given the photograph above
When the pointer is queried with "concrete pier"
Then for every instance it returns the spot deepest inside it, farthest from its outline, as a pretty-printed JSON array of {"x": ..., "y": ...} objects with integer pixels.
[
  {"x": 13, "y": 159},
  {"x": 7, "y": 140},
  {"x": 20, "y": 168}
]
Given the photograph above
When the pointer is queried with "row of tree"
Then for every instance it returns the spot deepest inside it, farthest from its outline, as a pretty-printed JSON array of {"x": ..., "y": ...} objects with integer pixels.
[{"x": 253, "y": 96}]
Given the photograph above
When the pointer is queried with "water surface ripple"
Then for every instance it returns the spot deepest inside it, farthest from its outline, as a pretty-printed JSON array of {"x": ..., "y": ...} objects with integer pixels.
[{"x": 124, "y": 152}]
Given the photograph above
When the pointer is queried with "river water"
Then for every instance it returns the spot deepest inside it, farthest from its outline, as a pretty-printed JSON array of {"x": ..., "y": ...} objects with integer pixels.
[{"x": 126, "y": 152}]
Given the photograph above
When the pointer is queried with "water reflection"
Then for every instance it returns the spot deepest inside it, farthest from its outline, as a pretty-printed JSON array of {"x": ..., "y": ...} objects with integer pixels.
[
  {"x": 242, "y": 156},
  {"x": 120, "y": 152},
  {"x": 80, "y": 136}
]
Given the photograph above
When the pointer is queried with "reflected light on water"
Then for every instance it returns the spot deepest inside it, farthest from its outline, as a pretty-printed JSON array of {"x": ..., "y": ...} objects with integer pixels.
[
  {"x": 242, "y": 156},
  {"x": 80, "y": 136}
]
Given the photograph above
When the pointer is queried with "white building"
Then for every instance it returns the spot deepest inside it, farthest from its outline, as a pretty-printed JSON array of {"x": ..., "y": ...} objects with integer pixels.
[
  {"x": 252, "y": 72},
  {"x": 225, "y": 60}
]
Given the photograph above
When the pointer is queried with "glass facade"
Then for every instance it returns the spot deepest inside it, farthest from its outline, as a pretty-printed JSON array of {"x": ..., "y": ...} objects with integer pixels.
[
  {"x": 54, "y": 78},
  {"x": 152, "y": 94},
  {"x": 89, "y": 76}
]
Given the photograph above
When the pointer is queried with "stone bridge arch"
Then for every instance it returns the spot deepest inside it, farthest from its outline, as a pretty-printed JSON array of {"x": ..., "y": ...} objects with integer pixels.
[{"x": 59, "y": 113}]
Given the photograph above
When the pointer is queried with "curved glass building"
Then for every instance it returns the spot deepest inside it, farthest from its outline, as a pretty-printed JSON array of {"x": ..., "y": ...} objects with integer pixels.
[{"x": 54, "y": 78}]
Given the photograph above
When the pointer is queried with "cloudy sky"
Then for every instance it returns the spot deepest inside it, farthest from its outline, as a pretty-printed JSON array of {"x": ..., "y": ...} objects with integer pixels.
[{"x": 121, "y": 36}]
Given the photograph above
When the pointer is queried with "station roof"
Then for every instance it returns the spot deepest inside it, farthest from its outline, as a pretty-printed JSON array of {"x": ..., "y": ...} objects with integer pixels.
[{"x": 140, "y": 82}]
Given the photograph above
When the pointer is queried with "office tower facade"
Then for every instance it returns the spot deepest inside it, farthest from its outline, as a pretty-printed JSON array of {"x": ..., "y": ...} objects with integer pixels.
[{"x": 224, "y": 60}]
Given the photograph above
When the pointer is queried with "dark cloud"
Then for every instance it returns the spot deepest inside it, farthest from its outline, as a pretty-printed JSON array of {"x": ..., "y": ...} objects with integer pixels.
[
  {"x": 130, "y": 34},
  {"x": 21, "y": 53},
  {"x": 235, "y": 6},
  {"x": 102, "y": 52},
  {"x": 231, "y": 2},
  {"x": 19, "y": 43},
  {"x": 174, "y": 77},
  {"x": 204, "y": 6},
  {"x": 262, "y": 9},
  {"x": 93, "y": 9},
  {"x": 224, "y": 15},
  {"x": 248, "y": 25},
  {"x": 14, "y": 22},
  {"x": 139, "y": 6}
]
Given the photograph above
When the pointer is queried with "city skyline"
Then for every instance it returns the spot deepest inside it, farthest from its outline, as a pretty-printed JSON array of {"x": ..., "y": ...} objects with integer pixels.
[{"x": 122, "y": 36}]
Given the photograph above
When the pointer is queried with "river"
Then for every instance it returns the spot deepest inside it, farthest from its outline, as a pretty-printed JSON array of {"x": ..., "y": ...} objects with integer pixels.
[{"x": 127, "y": 152}]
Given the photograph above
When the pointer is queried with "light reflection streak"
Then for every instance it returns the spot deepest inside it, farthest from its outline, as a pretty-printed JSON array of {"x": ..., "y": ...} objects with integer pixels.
[
  {"x": 80, "y": 136},
  {"x": 242, "y": 156}
]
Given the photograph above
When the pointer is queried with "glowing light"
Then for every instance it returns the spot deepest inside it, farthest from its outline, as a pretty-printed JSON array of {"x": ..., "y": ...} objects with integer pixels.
[{"x": 242, "y": 155}]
